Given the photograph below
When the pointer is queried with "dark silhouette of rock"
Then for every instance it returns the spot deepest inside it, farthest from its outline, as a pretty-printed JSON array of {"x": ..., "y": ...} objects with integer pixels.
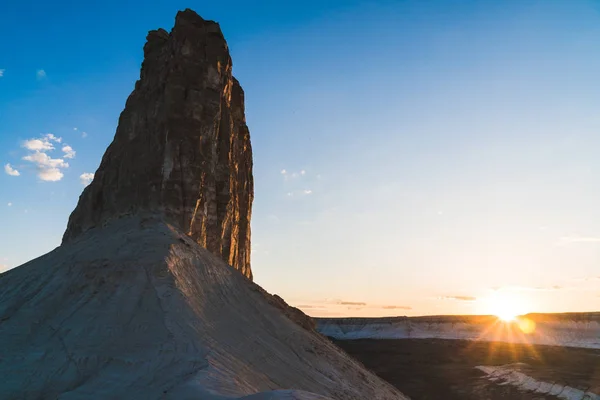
[{"x": 182, "y": 148}]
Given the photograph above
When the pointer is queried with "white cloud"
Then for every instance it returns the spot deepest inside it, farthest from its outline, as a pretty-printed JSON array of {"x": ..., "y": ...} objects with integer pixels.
[
  {"x": 11, "y": 171},
  {"x": 86, "y": 178},
  {"x": 9, "y": 204},
  {"x": 307, "y": 191},
  {"x": 69, "y": 152},
  {"x": 50, "y": 174},
  {"x": 84, "y": 135},
  {"x": 283, "y": 172},
  {"x": 40, "y": 74},
  {"x": 53, "y": 138},
  {"x": 74, "y": 129},
  {"x": 48, "y": 167},
  {"x": 302, "y": 172},
  {"x": 38, "y": 145},
  {"x": 42, "y": 144},
  {"x": 44, "y": 160},
  {"x": 290, "y": 194},
  {"x": 2, "y": 72}
]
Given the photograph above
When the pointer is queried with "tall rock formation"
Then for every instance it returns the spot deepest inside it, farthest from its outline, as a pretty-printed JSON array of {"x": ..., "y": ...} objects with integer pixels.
[
  {"x": 132, "y": 305},
  {"x": 182, "y": 148}
]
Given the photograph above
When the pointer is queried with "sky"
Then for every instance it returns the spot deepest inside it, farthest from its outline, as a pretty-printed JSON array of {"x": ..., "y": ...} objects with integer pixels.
[{"x": 410, "y": 157}]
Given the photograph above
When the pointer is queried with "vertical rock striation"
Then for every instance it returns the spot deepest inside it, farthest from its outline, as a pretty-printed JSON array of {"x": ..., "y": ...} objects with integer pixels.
[{"x": 182, "y": 148}]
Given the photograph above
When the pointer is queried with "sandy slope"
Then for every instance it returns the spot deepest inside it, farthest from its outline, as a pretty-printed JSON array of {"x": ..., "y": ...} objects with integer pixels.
[{"x": 138, "y": 310}]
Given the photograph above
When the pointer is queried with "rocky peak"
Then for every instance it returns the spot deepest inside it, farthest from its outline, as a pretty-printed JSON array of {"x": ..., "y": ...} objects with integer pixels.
[{"x": 182, "y": 148}]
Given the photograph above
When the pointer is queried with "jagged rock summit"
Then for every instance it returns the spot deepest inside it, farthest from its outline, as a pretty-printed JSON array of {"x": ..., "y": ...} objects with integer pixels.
[
  {"x": 182, "y": 148},
  {"x": 140, "y": 301}
]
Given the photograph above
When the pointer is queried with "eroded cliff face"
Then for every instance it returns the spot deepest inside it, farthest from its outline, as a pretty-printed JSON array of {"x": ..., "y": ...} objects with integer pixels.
[
  {"x": 569, "y": 329},
  {"x": 182, "y": 148}
]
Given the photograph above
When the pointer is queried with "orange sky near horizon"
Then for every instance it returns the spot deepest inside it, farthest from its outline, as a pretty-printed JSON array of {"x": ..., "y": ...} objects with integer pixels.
[{"x": 502, "y": 301}]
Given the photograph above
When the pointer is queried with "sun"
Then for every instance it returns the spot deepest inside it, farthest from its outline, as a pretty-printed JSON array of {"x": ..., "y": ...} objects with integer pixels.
[
  {"x": 506, "y": 306},
  {"x": 507, "y": 316}
]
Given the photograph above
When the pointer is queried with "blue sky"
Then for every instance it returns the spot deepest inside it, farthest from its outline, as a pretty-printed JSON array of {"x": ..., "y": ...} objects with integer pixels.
[{"x": 437, "y": 155}]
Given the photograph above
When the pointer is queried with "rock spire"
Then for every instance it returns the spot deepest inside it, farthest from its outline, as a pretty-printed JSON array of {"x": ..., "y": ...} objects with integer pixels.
[{"x": 182, "y": 148}]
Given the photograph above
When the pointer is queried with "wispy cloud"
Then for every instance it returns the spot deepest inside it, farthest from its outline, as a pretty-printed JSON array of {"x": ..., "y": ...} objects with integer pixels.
[
  {"x": 528, "y": 288},
  {"x": 579, "y": 239},
  {"x": 69, "y": 152},
  {"x": 586, "y": 278},
  {"x": 396, "y": 308},
  {"x": 83, "y": 134},
  {"x": 2, "y": 72},
  {"x": 273, "y": 218},
  {"x": 53, "y": 138},
  {"x": 309, "y": 306},
  {"x": 458, "y": 298},
  {"x": 351, "y": 303},
  {"x": 292, "y": 175},
  {"x": 40, "y": 74},
  {"x": 9, "y": 204},
  {"x": 86, "y": 178},
  {"x": 304, "y": 192},
  {"x": 11, "y": 171},
  {"x": 556, "y": 287},
  {"x": 345, "y": 306}
]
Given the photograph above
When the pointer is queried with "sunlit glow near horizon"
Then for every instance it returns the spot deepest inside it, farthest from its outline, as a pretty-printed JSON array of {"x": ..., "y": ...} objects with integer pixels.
[
  {"x": 507, "y": 316},
  {"x": 506, "y": 306}
]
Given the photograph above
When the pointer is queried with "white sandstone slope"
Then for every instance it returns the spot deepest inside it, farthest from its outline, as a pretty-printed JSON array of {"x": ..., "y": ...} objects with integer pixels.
[
  {"x": 510, "y": 375},
  {"x": 138, "y": 310},
  {"x": 573, "y": 330}
]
